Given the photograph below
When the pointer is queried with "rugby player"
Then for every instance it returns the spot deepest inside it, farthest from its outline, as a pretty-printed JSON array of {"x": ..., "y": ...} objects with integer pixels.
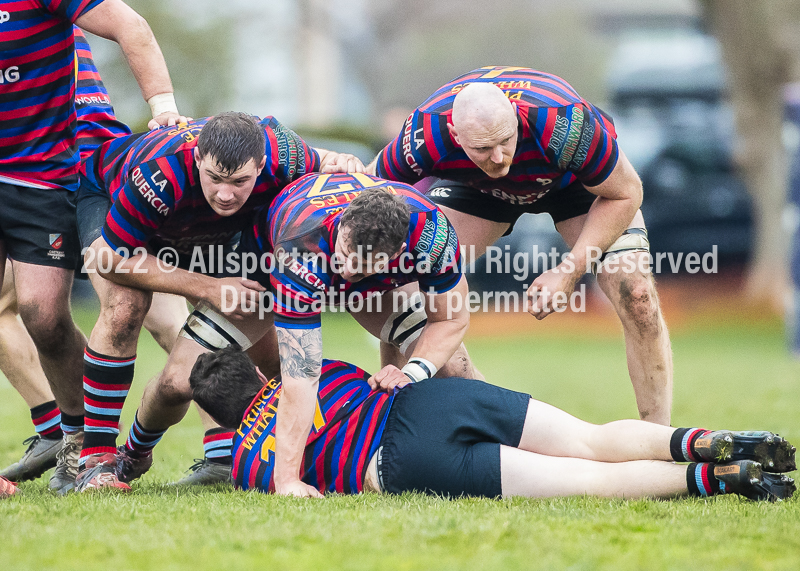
[
  {"x": 154, "y": 212},
  {"x": 504, "y": 141},
  {"x": 463, "y": 437},
  {"x": 39, "y": 163},
  {"x": 337, "y": 240}
]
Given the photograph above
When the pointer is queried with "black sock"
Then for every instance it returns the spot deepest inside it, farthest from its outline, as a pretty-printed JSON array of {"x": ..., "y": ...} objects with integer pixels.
[
  {"x": 217, "y": 446},
  {"x": 701, "y": 480},
  {"x": 47, "y": 420},
  {"x": 681, "y": 445},
  {"x": 71, "y": 424}
]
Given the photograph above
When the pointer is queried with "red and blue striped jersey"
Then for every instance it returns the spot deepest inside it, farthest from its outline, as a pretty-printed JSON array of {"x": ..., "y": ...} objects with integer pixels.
[
  {"x": 97, "y": 122},
  {"x": 561, "y": 138},
  {"x": 155, "y": 187},
  {"x": 37, "y": 92},
  {"x": 348, "y": 424},
  {"x": 304, "y": 219}
]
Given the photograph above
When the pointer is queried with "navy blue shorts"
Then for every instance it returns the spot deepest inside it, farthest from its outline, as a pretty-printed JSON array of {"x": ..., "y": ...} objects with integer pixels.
[
  {"x": 38, "y": 226},
  {"x": 561, "y": 203},
  {"x": 443, "y": 437}
]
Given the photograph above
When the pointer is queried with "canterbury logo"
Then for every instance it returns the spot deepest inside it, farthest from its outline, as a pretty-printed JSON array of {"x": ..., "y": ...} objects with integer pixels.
[
  {"x": 440, "y": 192},
  {"x": 4, "y": 16}
]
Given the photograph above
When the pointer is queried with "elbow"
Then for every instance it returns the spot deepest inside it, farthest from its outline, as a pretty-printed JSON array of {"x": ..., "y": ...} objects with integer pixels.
[{"x": 134, "y": 33}]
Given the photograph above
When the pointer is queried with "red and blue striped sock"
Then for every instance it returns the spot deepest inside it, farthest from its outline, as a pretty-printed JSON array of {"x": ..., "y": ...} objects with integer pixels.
[
  {"x": 701, "y": 481},
  {"x": 140, "y": 440},
  {"x": 681, "y": 445},
  {"x": 218, "y": 446},
  {"x": 47, "y": 420},
  {"x": 106, "y": 382}
]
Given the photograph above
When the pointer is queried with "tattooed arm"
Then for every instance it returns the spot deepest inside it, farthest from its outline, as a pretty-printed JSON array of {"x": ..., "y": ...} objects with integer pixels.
[{"x": 301, "y": 360}]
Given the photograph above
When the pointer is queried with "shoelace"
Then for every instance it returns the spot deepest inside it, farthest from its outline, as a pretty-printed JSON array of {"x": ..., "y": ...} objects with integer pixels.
[
  {"x": 32, "y": 442},
  {"x": 198, "y": 464},
  {"x": 62, "y": 458}
]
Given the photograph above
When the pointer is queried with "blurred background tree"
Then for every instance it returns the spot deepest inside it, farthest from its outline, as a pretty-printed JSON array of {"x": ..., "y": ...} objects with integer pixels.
[{"x": 762, "y": 54}]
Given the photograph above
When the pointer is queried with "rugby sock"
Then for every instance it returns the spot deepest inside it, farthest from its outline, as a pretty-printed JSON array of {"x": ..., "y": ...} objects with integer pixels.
[
  {"x": 681, "y": 445},
  {"x": 71, "y": 424},
  {"x": 47, "y": 420},
  {"x": 106, "y": 382},
  {"x": 218, "y": 445},
  {"x": 701, "y": 480},
  {"x": 140, "y": 440}
]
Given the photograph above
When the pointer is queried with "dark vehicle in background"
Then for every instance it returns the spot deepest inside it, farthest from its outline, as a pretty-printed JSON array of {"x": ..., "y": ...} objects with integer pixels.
[
  {"x": 667, "y": 96},
  {"x": 668, "y": 100}
]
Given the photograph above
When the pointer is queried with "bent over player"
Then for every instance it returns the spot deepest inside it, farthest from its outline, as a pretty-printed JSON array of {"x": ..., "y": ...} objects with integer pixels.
[
  {"x": 505, "y": 141},
  {"x": 462, "y": 437},
  {"x": 349, "y": 240},
  {"x": 153, "y": 210}
]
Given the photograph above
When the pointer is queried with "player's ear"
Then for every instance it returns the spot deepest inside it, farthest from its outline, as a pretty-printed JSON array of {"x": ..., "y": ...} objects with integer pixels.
[
  {"x": 261, "y": 377},
  {"x": 453, "y": 132},
  {"x": 402, "y": 249},
  {"x": 197, "y": 156},
  {"x": 262, "y": 165}
]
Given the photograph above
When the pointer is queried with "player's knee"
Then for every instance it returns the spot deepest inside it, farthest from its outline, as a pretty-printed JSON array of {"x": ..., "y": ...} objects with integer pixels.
[
  {"x": 459, "y": 365},
  {"x": 173, "y": 389},
  {"x": 639, "y": 302},
  {"x": 48, "y": 327}
]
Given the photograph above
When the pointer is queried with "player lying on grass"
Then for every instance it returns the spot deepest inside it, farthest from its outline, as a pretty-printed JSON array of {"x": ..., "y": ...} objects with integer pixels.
[{"x": 465, "y": 437}]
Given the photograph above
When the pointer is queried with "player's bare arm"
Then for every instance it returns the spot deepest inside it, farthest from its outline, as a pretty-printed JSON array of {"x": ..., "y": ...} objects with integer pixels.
[
  {"x": 618, "y": 199},
  {"x": 448, "y": 321},
  {"x": 301, "y": 360},
  {"x": 332, "y": 162},
  {"x": 144, "y": 271},
  {"x": 114, "y": 20}
]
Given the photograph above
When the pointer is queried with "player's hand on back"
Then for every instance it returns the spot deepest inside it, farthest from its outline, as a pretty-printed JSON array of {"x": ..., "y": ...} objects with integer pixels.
[
  {"x": 167, "y": 119},
  {"x": 235, "y": 298},
  {"x": 298, "y": 489},
  {"x": 387, "y": 379},
  {"x": 343, "y": 162}
]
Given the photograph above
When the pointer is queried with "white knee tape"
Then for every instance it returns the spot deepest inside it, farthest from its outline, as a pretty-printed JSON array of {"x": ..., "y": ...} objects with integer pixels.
[
  {"x": 404, "y": 326},
  {"x": 632, "y": 240},
  {"x": 212, "y": 330}
]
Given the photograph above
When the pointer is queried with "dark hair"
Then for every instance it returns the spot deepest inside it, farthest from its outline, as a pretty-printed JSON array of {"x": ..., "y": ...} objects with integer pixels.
[
  {"x": 377, "y": 218},
  {"x": 232, "y": 139},
  {"x": 224, "y": 383}
]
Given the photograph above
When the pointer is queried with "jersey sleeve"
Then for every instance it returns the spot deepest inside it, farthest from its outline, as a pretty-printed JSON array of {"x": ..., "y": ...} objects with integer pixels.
[
  {"x": 297, "y": 288},
  {"x": 581, "y": 139},
  {"x": 408, "y": 158},
  {"x": 141, "y": 205},
  {"x": 295, "y": 157},
  {"x": 438, "y": 252},
  {"x": 70, "y": 10},
  {"x": 97, "y": 122}
]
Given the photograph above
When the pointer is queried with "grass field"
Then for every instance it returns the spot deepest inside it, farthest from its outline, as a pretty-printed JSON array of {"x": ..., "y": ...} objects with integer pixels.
[{"x": 734, "y": 374}]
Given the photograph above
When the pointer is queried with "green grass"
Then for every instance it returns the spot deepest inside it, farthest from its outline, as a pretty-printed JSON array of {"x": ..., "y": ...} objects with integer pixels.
[{"x": 736, "y": 375}]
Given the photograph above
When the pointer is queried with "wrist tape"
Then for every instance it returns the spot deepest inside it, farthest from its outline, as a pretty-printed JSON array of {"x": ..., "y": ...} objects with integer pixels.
[
  {"x": 162, "y": 103},
  {"x": 418, "y": 369}
]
